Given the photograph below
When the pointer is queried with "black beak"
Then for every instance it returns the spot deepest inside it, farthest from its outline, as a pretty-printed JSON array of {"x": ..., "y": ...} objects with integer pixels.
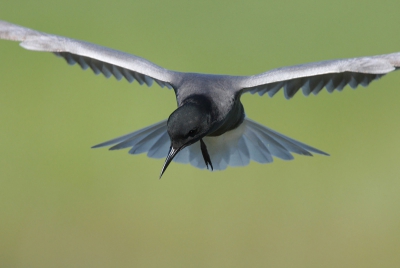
[{"x": 171, "y": 154}]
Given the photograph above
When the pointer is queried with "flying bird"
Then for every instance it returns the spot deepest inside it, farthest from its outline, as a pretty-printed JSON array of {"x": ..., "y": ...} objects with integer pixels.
[{"x": 209, "y": 129}]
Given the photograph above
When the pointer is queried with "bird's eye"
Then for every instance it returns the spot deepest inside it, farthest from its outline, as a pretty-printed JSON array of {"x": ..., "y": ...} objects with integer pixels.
[{"x": 192, "y": 132}]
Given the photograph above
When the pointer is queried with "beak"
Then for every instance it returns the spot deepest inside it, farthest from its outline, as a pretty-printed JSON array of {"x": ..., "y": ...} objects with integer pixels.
[{"x": 171, "y": 154}]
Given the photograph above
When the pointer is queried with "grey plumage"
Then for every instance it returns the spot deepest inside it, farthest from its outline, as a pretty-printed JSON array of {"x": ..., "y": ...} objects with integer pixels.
[{"x": 209, "y": 107}]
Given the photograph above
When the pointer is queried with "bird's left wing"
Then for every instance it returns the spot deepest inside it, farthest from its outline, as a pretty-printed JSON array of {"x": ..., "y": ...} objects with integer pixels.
[
  {"x": 313, "y": 77},
  {"x": 100, "y": 59}
]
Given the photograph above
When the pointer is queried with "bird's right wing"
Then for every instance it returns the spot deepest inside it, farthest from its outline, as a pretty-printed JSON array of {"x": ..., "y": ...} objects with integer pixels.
[
  {"x": 313, "y": 77},
  {"x": 100, "y": 59}
]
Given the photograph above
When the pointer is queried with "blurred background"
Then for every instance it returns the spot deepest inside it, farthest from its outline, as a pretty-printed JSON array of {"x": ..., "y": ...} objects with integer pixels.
[{"x": 63, "y": 204}]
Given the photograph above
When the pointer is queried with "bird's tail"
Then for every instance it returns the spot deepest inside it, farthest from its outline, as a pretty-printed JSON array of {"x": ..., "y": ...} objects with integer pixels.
[{"x": 250, "y": 141}]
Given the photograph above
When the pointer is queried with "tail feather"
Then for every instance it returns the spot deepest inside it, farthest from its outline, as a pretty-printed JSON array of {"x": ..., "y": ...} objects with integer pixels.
[{"x": 250, "y": 141}]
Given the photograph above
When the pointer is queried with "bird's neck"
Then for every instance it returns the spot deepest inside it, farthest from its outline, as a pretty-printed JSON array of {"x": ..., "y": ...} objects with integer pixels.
[{"x": 203, "y": 104}]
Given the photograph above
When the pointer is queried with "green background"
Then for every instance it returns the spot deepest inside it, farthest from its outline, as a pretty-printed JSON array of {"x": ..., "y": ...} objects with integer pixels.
[{"x": 63, "y": 204}]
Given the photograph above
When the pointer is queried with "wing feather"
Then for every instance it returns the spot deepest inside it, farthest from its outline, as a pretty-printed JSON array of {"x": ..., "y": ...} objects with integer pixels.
[
  {"x": 100, "y": 59},
  {"x": 313, "y": 77}
]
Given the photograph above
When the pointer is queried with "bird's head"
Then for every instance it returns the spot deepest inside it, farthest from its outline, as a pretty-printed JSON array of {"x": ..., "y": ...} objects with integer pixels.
[{"x": 186, "y": 125}]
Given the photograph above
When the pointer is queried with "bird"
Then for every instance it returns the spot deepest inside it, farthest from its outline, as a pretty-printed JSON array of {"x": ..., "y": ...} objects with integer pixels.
[{"x": 209, "y": 129}]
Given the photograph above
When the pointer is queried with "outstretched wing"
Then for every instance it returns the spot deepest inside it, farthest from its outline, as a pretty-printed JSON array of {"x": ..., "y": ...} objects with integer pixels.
[
  {"x": 313, "y": 77},
  {"x": 250, "y": 141},
  {"x": 100, "y": 59}
]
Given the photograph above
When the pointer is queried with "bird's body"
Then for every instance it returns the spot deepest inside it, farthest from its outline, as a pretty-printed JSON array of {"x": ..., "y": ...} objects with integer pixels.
[
  {"x": 209, "y": 128},
  {"x": 217, "y": 94}
]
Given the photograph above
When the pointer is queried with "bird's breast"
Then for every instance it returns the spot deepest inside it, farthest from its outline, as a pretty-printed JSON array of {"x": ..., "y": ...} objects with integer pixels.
[{"x": 233, "y": 119}]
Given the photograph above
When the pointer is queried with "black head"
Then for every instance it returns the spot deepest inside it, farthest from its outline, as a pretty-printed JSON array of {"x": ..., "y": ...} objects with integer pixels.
[{"x": 186, "y": 125}]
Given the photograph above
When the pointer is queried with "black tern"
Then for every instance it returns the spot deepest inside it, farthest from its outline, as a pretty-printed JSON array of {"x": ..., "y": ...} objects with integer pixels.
[{"x": 209, "y": 128}]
